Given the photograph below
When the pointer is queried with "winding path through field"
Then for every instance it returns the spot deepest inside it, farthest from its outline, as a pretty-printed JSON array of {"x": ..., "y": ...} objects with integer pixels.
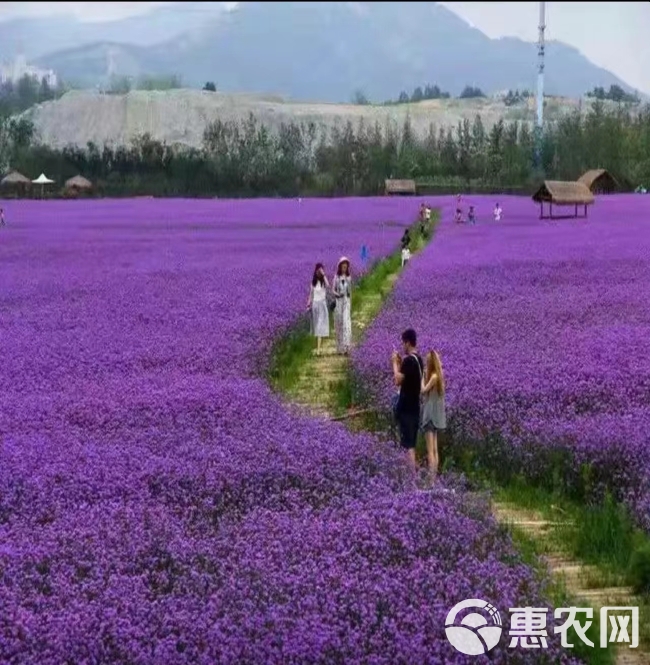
[{"x": 317, "y": 388}]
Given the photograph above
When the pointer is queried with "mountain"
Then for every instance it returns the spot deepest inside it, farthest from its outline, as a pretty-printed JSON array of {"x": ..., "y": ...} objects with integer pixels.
[
  {"x": 37, "y": 37},
  {"x": 328, "y": 50}
]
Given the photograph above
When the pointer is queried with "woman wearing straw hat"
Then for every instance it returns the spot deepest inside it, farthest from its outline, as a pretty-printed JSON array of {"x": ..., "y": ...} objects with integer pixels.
[{"x": 342, "y": 288}]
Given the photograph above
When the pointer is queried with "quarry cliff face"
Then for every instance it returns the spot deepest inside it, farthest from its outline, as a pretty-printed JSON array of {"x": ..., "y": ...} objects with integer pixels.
[{"x": 181, "y": 116}]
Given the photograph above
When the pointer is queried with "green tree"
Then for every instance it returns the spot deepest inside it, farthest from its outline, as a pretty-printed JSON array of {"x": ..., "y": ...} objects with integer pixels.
[
  {"x": 470, "y": 92},
  {"x": 360, "y": 98},
  {"x": 464, "y": 150},
  {"x": 417, "y": 95},
  {"x": 120, "y": 85},
  {"x": 407, "y": 162},
  {"x": 477, "y": 150},
  {"x": 495, "y": 152}
]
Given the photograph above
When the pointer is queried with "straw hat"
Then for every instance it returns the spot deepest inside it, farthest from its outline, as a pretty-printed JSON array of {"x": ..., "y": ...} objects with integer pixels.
[{"x": 343, "y": 259}]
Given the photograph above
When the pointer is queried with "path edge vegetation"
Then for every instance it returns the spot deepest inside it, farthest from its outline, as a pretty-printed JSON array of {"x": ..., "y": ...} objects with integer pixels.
[{"x": 602, "y": 535}]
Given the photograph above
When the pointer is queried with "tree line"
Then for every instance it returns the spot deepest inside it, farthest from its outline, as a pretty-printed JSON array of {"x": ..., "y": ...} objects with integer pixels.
[
  {"x": 121, "y": 85},
  {"x": 420, "y": 94},
  {"x": 614, "y": 94},
  {"x": 23, "y": 94},
  {"x": 248, "y": 159}
]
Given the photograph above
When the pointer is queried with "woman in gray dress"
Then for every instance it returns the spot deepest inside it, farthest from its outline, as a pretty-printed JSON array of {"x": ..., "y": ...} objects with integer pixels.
[
  {"x": 317, "y": 303},
  {"x": 342, "y": 288},
  {"x": 433, "y": 410}
]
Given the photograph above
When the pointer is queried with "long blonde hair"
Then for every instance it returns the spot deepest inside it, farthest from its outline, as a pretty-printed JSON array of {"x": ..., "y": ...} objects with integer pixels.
[{"x": 434, "y": 366}]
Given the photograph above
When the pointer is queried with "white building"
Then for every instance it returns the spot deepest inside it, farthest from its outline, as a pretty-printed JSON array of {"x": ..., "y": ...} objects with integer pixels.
[{"x": 19, "y": 68}]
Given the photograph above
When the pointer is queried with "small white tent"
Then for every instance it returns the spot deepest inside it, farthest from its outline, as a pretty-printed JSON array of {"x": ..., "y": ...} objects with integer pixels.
[{"x": 42, "y": 180}]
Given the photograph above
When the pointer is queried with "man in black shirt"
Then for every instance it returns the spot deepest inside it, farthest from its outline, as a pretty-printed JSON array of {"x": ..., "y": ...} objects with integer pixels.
[{"x": 408, "y": 376}]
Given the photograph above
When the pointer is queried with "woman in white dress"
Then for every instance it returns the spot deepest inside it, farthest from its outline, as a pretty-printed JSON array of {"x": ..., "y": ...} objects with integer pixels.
[
  {"x": 317, "y": 303},
  {"x": 343, "y": 310}
]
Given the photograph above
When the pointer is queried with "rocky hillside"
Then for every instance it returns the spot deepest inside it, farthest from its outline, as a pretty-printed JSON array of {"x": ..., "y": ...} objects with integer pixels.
[{"x": 180, "y": 116}]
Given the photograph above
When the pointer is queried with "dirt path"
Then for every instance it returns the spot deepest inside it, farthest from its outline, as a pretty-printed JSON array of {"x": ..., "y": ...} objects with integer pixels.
[
  {"x": 583, "y": 582},
  {"x": 321, "y": 377}
]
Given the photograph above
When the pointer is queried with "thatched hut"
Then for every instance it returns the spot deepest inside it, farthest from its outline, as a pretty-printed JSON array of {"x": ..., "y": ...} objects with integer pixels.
[
  {"x": 77, "y": 185},
  {"x": 16, "y": 182},
  {"x": 599, "y": 181},
  {"x": 78, "y": 182},
  {"x": 400, "y": 187},
  {"x": 558, "y": 193}
]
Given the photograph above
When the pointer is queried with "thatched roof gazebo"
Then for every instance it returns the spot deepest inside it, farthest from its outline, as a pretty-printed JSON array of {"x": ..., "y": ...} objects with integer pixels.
[
  {"x": 15, "y": 178},
  {"x": 599, "y": 181},
  {"x": 16, "y": 182},
  {"x": 78, "y": 182},
  {"x": 400, "y": 187},
  {"x": 559, "y": 193}
]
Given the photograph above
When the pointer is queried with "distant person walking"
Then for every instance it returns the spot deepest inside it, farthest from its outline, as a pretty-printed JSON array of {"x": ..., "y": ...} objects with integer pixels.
[
  {"x": 342, "y": 287},
  {"x": 407, "y": 373},
  {"x": 471, "y": 215},
  {"x": 317, "y": 303},
  {"x": 433, "y": 409},
  {"x": 406, "y": 246},
  {"x": 425, "y": 219},
  {"x": 406, "y": 240},
  {"x": 2, "y": 217},
  {"x": 365, "y": 255},
  {"x": 497, "y": 213}
]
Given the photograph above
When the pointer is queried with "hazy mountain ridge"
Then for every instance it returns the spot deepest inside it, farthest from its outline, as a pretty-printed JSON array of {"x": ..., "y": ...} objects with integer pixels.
[
  {"x": 317, "y": 51},
  {"x": 40, "y": 37}
]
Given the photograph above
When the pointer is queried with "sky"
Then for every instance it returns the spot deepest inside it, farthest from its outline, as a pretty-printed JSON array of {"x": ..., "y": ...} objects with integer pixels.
[{"x": 613, "y": 35}]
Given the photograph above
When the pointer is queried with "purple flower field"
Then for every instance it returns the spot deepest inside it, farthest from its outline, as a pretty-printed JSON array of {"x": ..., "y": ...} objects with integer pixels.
[
  {"x": 158, "y": 504},
  {"x": 544, "y": 331}
]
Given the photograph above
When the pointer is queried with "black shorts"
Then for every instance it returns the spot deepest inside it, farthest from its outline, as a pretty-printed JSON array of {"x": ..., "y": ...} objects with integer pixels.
[{"x": 409, "y": 424}]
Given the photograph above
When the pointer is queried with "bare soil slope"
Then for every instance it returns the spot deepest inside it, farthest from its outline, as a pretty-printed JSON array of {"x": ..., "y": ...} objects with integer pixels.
[{"x": 180, "y": 116}]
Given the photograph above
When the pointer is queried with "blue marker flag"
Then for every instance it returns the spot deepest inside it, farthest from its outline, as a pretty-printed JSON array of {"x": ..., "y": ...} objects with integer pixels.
[{"x": 364, "y": 254}]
